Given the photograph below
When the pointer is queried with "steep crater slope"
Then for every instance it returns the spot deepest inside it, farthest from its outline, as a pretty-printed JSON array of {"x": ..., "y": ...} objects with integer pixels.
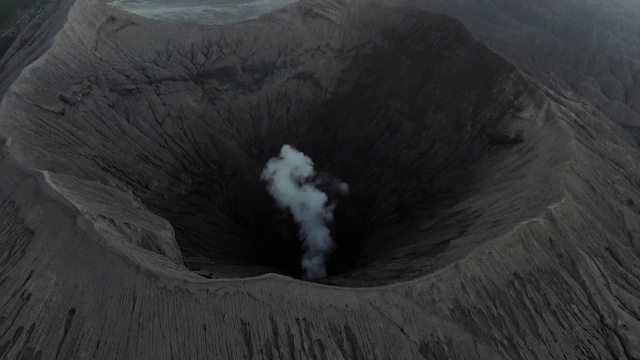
[
  {"x": 588, "y": 46},
  {"x": 28, "y": 34},
  {"x": 437, "y": 136}
]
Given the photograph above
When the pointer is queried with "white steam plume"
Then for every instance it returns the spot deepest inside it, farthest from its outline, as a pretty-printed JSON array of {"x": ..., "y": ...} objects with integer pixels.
[{"x": 292, "y": 183}]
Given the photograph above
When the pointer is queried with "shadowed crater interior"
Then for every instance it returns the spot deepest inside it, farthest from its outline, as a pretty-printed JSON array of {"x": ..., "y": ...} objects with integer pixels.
[{"x": 406, "y": 130}]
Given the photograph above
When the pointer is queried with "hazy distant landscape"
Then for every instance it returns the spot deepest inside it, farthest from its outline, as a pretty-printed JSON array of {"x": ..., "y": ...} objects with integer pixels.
[{"x": 215, "y": 13}]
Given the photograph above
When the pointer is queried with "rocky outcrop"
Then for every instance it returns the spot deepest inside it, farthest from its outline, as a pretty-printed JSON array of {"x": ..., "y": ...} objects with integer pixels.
[{"x": 490, "y": 216}]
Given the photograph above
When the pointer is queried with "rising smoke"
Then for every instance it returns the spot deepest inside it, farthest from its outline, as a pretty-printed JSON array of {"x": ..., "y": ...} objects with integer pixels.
[{"x": 292, "y": 182}]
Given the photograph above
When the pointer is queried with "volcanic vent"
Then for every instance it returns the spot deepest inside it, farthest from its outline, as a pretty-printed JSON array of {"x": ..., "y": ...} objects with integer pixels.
[{"x": 430, "y": 129}]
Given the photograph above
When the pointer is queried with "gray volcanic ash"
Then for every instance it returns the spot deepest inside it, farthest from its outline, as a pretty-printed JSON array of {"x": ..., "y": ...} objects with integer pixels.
[{"x": 493, "y": 212}]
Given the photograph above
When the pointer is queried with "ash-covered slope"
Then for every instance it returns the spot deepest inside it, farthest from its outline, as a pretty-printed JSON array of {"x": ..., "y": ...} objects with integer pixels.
[
  {"x": 591, "y": 46},
  {"x": 489, "y": 217},
  {"x": 29, "y": 37}
]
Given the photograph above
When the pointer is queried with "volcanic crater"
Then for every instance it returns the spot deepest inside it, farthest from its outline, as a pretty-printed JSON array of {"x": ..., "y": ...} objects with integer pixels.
[
  {"x": 484, "y": 209},
  {"x": 423, "y": 122}
]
